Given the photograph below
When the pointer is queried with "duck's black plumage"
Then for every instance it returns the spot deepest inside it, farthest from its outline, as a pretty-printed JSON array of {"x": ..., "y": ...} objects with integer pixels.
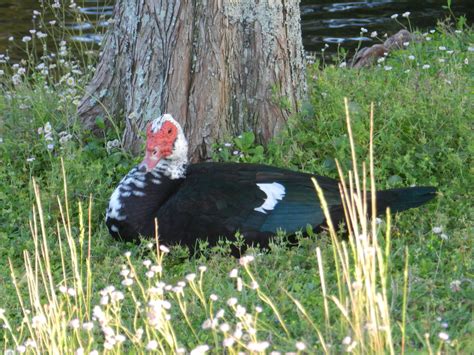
[
  {"x": 212, "y": 200},
  {"x": 218, "y": 199}
]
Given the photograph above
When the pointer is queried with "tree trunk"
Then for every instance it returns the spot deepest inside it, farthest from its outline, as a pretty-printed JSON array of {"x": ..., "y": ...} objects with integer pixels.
[{"x": 220, "y": 67}]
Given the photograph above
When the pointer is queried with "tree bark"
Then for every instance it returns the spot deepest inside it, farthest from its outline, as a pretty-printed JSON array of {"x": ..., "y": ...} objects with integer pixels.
[{"x": 220, "y": 67}]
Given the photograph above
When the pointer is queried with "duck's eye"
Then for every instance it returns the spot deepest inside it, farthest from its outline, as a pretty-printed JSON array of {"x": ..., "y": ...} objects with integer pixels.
[
  {"x": 155, "y": 152},
  {"x": 170, "y": 130}
]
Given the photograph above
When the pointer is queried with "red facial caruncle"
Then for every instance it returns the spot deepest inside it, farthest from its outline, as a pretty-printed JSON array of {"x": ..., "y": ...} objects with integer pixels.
[{"x": 159, "y": 145}]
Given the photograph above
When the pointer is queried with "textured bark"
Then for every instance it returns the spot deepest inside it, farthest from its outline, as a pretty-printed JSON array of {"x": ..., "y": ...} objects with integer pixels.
[{"x": 218, "y": 66}]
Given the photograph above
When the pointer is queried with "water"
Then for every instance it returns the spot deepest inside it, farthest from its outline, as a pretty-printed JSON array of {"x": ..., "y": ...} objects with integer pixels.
[{"x": 335, "y": 23}]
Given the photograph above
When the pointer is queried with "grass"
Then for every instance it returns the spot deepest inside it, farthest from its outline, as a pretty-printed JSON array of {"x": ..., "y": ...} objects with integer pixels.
[{"x": 308, "y": 297}]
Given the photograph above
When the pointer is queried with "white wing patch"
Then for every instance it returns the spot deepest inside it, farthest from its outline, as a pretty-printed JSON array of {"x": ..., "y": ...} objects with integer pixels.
[{"x": 275, "y": 192}]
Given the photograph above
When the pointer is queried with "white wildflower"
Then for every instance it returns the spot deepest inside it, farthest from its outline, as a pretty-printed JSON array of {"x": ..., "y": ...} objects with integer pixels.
[
  {"x": 364, "y": 30},
  {"x": 190, "y": 277},
  {"x": 374, "y": 34},
  {"x": 88, "y": 326},
  {"x": 52, "y": 22},
  {"x": 30, "y": 160},
  {"x": 240, "y": 284},
  {"x": 150, "y": 274},
  {"x": 406, "y": 14},
  {"x": 254, "y": 285},
  {"x": 26, "y": 39},
  {"x": 120, "y": 338},
  {"x": 70, "y": 81},
  {"x": 426, "y": 66},
  {"x": 444, "y": 325},
  {"x": 442, "y": 48},
  {"x": 450, "y": 52},
  {"x": 202, "y": 268},
  {"x": 240, "y": 311},
  {"x": 38, "y": 321},
  {"x": 246, "y": 260},
  {"x": 41, "y": 35},
  {"x": 258, "y": 309},
  {"x": 213, "y": 297},
  {"x": 71, "y": 292},
  {"x": 388, "y": 67},
  {"x": 74, "y": 323},
  {"x": 104, "y": 300},
  {"x": 127, "y": 254},
  {"x": 233, "y": 273},
  {"x": 394, "y": 16},
  {"x": 347, "y": 340},
  {"x": 16, "y": 79},
  {"x": 30, "y": 343},
  {"x": 381, "y": 60},
  {"x": 238, "y": 331},
  {"x": 351, "y": 347},
  {"x": 156, "y": 268},
  {"x": 200, "y": 350},
  {"x": 441, "y": 60},
  {"x": 164, "y": 249},
  {"x": 443, "y": 236},
  {"x": 437, "y": 230},
  {"x": 224, "y": 327},
  {"x": 50, "y": 146},
  {"x": 300, "y": 346},
  {"x": 11, "y": 38},
  {"x": 443, "y": 336},
  {"x": 21, "y": 349},
  {"x": 228, "y": 342},
  {"x": 79, "y": 351},
  {"x": 466, "y": 61},
  {"x": 152, "y": 345},
  {"x": 117, "y": 296},
  {"x": 33, "y": 31},
  {"x": 259, "y": 347},
  {"x": 406, "y": 44},
  {"x": 455, "y": 286},
  {"x": 232, "y": 301},
  {"x": 432, "y": 31},
  {"x": 411, "y": 57},
  {"x": 127, "y": 282},
  {"x": 343, "y": 65},
  {"x": 147, "y": 263}
]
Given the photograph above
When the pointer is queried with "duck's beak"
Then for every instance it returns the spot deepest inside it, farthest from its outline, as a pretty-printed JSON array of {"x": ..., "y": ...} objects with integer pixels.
[{"x": 150, "y": 161}]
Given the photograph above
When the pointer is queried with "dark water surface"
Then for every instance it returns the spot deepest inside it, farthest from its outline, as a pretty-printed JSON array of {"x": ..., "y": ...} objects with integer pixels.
[{"x": 323, "y": 22}]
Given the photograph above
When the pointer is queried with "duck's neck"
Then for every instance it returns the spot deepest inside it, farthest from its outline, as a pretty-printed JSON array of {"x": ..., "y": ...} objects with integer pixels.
[{"x": 172, "y": 169}]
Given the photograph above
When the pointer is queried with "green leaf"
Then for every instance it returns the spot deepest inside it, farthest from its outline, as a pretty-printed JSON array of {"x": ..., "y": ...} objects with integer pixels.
[{"x": 99, "y": 121}]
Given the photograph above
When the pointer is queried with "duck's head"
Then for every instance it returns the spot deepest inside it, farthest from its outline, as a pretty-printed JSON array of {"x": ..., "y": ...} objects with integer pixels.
[{"x": 165, "y": 142}]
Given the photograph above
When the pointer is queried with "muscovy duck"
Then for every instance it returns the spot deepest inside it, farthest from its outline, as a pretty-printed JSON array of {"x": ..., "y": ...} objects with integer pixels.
[{"x": 214, "y": 200}]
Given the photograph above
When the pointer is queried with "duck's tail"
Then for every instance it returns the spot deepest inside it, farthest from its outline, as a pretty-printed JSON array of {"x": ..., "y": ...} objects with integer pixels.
[{"x": 402, "y": 199}]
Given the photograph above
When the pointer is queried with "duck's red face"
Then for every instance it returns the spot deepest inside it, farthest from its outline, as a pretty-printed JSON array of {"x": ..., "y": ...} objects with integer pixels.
[{"x": 159, "y": 145}]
